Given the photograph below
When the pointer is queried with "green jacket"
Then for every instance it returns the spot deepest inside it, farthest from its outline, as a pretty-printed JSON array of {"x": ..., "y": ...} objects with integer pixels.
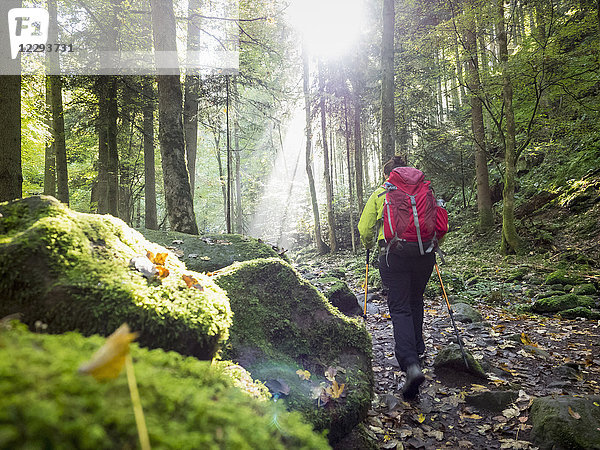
[{"x": 371, "y": 219}]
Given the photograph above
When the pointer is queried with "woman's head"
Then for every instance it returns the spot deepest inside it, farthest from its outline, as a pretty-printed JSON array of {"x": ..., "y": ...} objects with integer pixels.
[{"x": 396, "y": 161}]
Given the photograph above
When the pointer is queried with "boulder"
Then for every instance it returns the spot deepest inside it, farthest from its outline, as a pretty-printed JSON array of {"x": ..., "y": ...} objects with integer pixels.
[
  {"x": 466, "y": 313},
  {"x": 565, "y": 422},
  {"x": 450, "y": 357},
  {"x": 580, "y": 311},
  {"x": 187, "y": 403},
  {"x": 211, "y": 252},
  {"x": 288, "y": 335},
  {"x": 561, "y": 303},
  {"x": 72, "y": 271},
  {"x": 495, "y": 401},
  {"x": 585, "y": 289},
  {"x": 560, "y": 276},
  {"x": 340, "y": 295}
]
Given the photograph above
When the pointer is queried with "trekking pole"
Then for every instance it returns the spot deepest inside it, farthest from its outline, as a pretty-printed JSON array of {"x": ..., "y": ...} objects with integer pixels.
[
  {"x": 366, "y": 285},
  {"x": 462, "y": 350}
]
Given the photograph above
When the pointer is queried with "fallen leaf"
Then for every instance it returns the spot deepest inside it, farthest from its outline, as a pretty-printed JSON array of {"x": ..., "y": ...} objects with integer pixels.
[
  {"x": 191, "y": 282},
  {"x": 336, "y": 390},
  {"x": 303, "y": 374},
  {"x": 512, "y": 412},
  {"x": 421, "y": 418},
  {"x": 574, "y": 414},
  {"x": 109, "y": 360},
  {"x": 330, "y": 373},
  {"x": 471, "y": 416},
  {"x": 163, "y": 272}
]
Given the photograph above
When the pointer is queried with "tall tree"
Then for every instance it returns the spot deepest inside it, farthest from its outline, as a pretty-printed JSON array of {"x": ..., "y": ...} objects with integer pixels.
[
  {"x": 484, "y": 201},
  {"x": 112, "y": 193},
  {"x": 149, "y": 169},
  {"x": 11, "y": 177},
  {"x": 510, "y": 239},
  {"x": 388, "y": 146},
  {"x": 190, "y": 105},
  {"x": 58, "y": 133},
  {"x": 52, "y": 66},
  {"x": 178, "y": 196},
  {"x": 321, "y": 247},
  {"x": 358, "y": 82},
  {"x": 326, "y": 164}
]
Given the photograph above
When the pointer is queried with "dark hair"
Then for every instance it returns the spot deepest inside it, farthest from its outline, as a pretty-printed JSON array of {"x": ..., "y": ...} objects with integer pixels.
[{"x": 396, "y": 161}]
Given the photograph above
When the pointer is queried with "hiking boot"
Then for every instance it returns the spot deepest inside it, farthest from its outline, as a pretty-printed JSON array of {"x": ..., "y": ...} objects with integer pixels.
[{"x": 414, "y": 379}]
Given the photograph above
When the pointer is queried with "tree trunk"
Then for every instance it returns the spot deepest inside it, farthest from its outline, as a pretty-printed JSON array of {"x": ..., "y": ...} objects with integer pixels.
[
  {"x": 190, "y": 105},
  {"x": 112, "y": 109},
  {"x": 510, "y": 239},
  {"x": 50, "y": 152},
  {"x": 228, "y": 161},
  {"x": 149, "y": 169},
  {"x": 58, "y": 133},
  {"x": 358, "y": 148},
  {"x": 350, "y": 194},
  {"x": 102, "y": 127},
  {"x": 239, "y": 216},
  {"x": 178, "y": 196},
  {"x": 388, "y": 149},
  {"x": 321, "y": 247},
  {"x": 484, "y": 202},
  {"x": 326, "y": 166}
]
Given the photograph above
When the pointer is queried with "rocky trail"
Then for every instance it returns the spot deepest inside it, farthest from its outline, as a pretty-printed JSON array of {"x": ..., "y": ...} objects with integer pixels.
[{"x": 524, "y": 356}]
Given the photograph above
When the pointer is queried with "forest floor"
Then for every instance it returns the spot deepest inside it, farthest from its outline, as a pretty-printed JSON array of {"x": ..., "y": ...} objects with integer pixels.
[{"x": 530, "y": 356}]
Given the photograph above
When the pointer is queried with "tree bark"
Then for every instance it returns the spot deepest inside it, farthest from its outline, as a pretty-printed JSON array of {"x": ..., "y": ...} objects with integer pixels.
[
  {"x": 228, "y": 161},
  {"x": 388, "y": 146},
  {"x": 178, "y": 196},
  {"x": 190, "y": 105},
  {"x": 326, "y": 165},
  {"x": 510, "y": 239},
  {"x": 484, "y": 202},
  {"x": 112, "y": 110},
  {"x": 358, "y": 148},
  {"x": 239, "y": 216},
  {"x": 102, "y": 127},
  {"x": 50, "y": 152},
  {"x": 58, "y": 133},
  {"x": 321, "y": 247},
  {"x": 350, "y": 193},
  {"x": 149, "y": 168}
]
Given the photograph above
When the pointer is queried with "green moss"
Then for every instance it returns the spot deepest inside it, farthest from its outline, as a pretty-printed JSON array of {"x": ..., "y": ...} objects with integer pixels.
[
  {"x": 561, "y": 303},
  {"x": 561, "y": 277},
  {"x": 585, "y": 289},
  {"x": 282, "y": 324},
  {"x": 45, "y": 403},
  {"x": 580, "y": 311},
  {"x": 71, "y": 271},
  {"x": 211, "y": 252}
]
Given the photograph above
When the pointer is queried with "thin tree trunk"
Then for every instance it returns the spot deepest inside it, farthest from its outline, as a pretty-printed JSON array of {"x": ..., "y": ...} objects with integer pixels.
[
  {"x": 190, "y": 105},
  {"x": 228, "y": 137},
  {"x": 326, "y": 166},
  {"x": 50, "y": 151},
  {"x": 102, "y": 127},
  {"x": 239, "y": 217},
  {"x": 358, "y": 148},
  {"x": 178, "y": 196},
  {"x": 459, "y": 71},
  {"x": 388, "y": 148},
  {"x": 149, "y": 167},
  {"x": 58, "y": 133},
  {"x": 510, "y": 239},
  {"x": 350, "y": 195},
  {"x": 321, "y": 247},
  {"x": 112, "y": 192},
  {"x": 484, "y": 202}
]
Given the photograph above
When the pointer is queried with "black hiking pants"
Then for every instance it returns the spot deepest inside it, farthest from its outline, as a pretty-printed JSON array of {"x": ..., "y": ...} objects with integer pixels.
[{"x": 406, "y": 277}]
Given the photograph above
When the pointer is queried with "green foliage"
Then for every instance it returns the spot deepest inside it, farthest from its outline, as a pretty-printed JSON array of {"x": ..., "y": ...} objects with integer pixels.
[
  {"x": 45, "y": 403},
  {"x": 561, "y": 303},
  {"x": 71, "y": 271}
]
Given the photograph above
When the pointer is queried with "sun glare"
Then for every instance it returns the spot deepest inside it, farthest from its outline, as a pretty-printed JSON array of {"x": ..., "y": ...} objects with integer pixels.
[{"x": 330, "y": 28}]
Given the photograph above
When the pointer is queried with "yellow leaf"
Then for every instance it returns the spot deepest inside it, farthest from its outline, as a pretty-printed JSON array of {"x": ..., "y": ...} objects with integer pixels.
[
  {"x": 526, "y": 340},
  {"x": 470, "y": 416},
  {"x": 303, "y": 374},
  {"x": 573, "y": 414},
  {"x": 596, "y": 404},
  {"x": 421, "y": 418},
  {"x": 109, "y": 360},
  {"x": 337, "y": 389}
]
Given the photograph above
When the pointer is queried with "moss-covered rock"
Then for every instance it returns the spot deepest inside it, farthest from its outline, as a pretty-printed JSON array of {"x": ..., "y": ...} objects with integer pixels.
[
  {"x": 585, "y": 289},
  {"x": 580, "y": 311},
  {"x": 71, "y": 271},
  {"x": 561, "y": 303},
  {"x": 561, "y": 277},
  {"x": 282, "y": 325},
  {"x": 340, "y": 295},
  {"x": 466, "y": 313},
  {"x": 46, "y": 403},
  {"x": 565, "y": 422},
  {"x": 451, "y": 357},
  {"x": 211, "y": 252}
]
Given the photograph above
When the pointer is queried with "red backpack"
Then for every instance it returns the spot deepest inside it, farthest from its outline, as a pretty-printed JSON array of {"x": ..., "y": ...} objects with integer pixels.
[{"x": 409, "y": 210}]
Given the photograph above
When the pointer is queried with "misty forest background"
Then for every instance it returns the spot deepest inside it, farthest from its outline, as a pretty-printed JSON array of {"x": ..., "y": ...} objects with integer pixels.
[{"x": 497, "y": 102}]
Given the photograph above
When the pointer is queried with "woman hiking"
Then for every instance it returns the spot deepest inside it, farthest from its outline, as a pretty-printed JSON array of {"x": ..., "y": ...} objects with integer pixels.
[{"x": 403, "y": 218}]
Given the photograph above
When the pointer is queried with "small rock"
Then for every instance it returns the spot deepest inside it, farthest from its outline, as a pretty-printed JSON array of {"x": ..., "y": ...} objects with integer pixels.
[
  {"x": 143, "y": 265},
  {"x": 466, "y": 313},
  {"x": 495, "y": 401}
]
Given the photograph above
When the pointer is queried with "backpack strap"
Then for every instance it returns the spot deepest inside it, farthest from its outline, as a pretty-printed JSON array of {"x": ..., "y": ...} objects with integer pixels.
[{"x": 413, "y": 203}]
